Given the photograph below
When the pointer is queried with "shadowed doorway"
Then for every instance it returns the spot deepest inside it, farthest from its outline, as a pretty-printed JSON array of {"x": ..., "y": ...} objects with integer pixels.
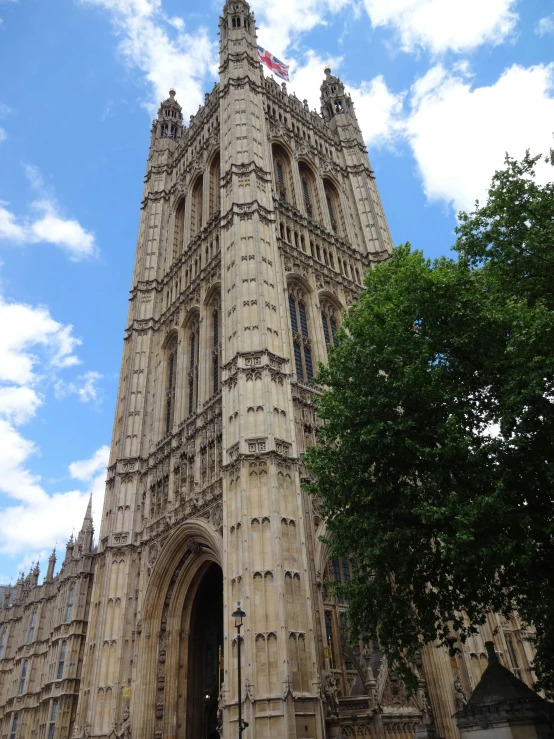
[{"x": 205, "y": 651}]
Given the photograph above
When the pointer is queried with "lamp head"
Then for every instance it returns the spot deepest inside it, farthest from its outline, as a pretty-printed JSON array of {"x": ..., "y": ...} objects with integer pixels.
[{"x": 239, "y": 615}]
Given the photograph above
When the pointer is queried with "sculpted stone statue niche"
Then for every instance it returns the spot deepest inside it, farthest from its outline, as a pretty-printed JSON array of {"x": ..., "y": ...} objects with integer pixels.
[
  {"x": 460, "y": 700},
  {"x": 331, "y": 695},
  {"x": 125, "y": 730}
]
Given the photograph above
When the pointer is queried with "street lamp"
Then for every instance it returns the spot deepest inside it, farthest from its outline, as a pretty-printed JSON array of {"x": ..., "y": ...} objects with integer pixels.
[{"x": 239, "y": 615}]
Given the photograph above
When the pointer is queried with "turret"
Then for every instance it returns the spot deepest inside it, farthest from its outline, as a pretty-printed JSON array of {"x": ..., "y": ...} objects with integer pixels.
[
  {"x": 170, "y": 119},
  {"x": 337, "y": 107},
  {"x": 86, "y": 534},
  {"x": 51, "y": 566}
]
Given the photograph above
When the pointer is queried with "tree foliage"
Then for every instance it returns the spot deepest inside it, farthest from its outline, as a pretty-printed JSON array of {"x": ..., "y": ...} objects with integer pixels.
[{"x": 435, "y": 463}]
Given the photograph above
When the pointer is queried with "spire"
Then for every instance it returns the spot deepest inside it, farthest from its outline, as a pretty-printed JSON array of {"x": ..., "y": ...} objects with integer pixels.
[
  {"x": 86, "y": 534},
  {"x": 69, "y": 549},
  {"x": 51, "y": 566}
]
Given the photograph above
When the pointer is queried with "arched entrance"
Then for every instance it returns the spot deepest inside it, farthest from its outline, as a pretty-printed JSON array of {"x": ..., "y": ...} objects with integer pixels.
[{"x": 205, "y": 650}]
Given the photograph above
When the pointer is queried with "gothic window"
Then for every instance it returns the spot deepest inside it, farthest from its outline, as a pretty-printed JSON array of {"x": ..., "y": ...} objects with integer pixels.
[
  {"x": 2, "y": 642},
  {"x": 69, "y": 609},
  {"x": 15, "y": 722},
  {"x": 194, "y": 350},
  {"x": 23, "y": 676},
  {"x": 53, "y": 716},
  {"x": 196, "y": 207},
  {"x": 215, "y": 191},
  {"x": 216, "y": 349},
  {"x": 309, "y": 190},
  {"x": 329, "y": 321},
  {"x": 31, "y": 634},
  {"x": 300, "y": 334},
  {"x": 179, "y": 232},
  {"x": 333, "y": 207},
  {"x": 61, "y": 660},
  {"x": 283, "y": 175},
  {"x": 171, "y": 353}
]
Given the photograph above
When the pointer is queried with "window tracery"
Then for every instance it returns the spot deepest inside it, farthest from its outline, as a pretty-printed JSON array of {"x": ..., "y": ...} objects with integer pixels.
[
  {"x": 171, "y": 354},
  {"x": 216, "y": 346},
  {"x": 330, "y": 322},
  {"x": 196, "y": 206},
  {"x": 179, "y": 230},
  {"x": 283, "y": 175},
  {"x": 334, "y": 207},
  {"x": 194, "y": 353},
  {"x": 309, "y": 191},
  {"x": 215, "y": 191},
  {"x": 300, "y": 334}
]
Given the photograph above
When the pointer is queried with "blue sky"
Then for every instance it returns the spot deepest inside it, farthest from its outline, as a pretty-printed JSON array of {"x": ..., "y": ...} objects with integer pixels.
[{"x": 442, "y": 89}]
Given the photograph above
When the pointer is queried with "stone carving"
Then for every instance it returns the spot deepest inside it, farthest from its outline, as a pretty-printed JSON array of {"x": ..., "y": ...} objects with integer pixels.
[
  {"x": 331, "y": 695},
  {"x": 217, "y": 516},
  {"x": 460, "y": 700},
  {"x": 193, "y": 546},
  {"x": 125, "y": 730}
]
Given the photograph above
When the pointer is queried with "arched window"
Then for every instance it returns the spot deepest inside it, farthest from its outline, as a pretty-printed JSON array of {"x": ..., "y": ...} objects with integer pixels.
[
  {"x": 283, "y": 174},
  {"x": 334, "y": 207},
  {"x": 69, "y": 609},
  {"x": 31, "y": 634},
  {"x": 215, "y": 191},
  {"x": 179, "y": 233},
  {"x": 329, "y": 320},
  {"x": 61, "y": 660},
  {"x": 194, "y": 351},
  {"x": 196, "y": 206},
  {"x": 53, "y": 717},
  {"x": 23, "y": 677},
  {"x": 216, "y": 348},
  {"x": 309, "y": 196},
  {"x": 15, "y": 722},
  {"x": 2, "y": 642},
  {"x": 342, "y": 656},
  {"x": 171, "y": 354},
  {"x": 300, "y": 334}
]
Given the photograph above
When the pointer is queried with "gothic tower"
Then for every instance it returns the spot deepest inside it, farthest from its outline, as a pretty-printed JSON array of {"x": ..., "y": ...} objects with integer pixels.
[{"x": 258, "y": 221}]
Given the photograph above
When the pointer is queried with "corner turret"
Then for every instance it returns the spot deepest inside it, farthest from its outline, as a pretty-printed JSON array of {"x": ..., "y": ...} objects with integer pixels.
[{"x": 170, "y": 119}]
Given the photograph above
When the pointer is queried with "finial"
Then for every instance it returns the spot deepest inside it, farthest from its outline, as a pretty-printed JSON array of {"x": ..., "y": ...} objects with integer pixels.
[
  {"x": 172, "y": 93},
  {"x": 491, "y": 652},
  {"x": 327, "y": 71}
]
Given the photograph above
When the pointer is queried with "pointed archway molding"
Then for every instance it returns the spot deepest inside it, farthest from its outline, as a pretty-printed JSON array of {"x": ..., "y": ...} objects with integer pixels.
[{"x": 159, "y": 695}]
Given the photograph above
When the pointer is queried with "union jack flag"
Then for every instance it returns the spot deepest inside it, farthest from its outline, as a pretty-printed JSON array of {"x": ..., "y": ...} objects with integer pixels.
[{"x": 276, "y": 66}]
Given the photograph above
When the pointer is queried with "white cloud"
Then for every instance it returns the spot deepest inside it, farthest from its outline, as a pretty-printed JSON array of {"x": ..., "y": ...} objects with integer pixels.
[
  {"x": 26, "y": 328},
  {"x": 379, "y": 111},
  {"x": 180, "y": 60},
  {"x": 34, "y": 348},
  {"x": 87, "y": 469},
  {"x": 545, "y": 26},
  {"x": 85, "y": 387},
  {"x": 459, "y": 134},
  {"x": 48, "y": 225},
  {"x": 442, "y": 25},
  {"x": 306, "y": 78},
  {"x": 19, "y": 404},
  {"x": 281, "y": 21},
  {"x": 3, "y": 134}
]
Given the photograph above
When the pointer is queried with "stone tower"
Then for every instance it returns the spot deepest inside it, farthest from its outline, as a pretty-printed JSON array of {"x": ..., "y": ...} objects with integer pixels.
[{"x": 258, "y": 221}]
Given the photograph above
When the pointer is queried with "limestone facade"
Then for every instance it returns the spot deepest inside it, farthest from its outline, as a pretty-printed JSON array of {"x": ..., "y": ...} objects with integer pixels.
[
  {"x": 42, "y": 641},
  {"x": 257, "y": 223}
]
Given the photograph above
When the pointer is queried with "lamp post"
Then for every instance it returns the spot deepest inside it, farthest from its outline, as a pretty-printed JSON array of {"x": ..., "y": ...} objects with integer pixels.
[{"x": 239, "y": 615}]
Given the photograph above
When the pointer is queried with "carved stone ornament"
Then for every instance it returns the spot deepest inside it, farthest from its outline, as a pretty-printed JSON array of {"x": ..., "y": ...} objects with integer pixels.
[
  {"x": 460, "y": 700},
  {"x": 125, "y": 730},
  {"x": 217, "y": 516},
  {"x": 193, "y": 546},
  {"x": 152, "y": 554},
  {"x": 331, "y": 693}
]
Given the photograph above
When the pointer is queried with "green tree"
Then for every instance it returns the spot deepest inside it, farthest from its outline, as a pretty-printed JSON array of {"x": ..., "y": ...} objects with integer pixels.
[{"x": 435, "y": 458}]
